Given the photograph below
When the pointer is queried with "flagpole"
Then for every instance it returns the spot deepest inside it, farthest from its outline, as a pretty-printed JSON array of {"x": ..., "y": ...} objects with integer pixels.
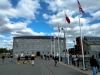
[
  {"x": 58, "y": 42},
  {"x": 51, "y": 45},
  {"x": 81, "y": 43},
  {"x": 81, "y": 40},
  {"x": 58, "y": 46},
  {"x": 66, "y": 42},
  {"x": 67, "y": 46},
  {"x": 54, "y": 45}
]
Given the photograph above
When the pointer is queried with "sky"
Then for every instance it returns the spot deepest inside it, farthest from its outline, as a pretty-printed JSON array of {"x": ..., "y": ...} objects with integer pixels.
[{"x": 42, "y": 17}]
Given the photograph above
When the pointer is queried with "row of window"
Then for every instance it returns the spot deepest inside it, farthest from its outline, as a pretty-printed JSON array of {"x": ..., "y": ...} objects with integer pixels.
[
  {"x": 23, "y": 46},
  {"x": 34, "y": 41},
  {"x": 93, "y": 39}
]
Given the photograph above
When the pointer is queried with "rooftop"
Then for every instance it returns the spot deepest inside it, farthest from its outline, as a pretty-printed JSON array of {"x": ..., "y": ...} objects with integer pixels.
[{"x": 35, "y": 37}]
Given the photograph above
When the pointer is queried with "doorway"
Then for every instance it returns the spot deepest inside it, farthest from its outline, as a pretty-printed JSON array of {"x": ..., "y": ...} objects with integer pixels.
[{"x": 38, "y": 54}]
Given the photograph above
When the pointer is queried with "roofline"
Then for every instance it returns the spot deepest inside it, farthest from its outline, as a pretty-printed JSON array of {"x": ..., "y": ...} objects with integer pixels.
[{"x": 36, "y": 37}]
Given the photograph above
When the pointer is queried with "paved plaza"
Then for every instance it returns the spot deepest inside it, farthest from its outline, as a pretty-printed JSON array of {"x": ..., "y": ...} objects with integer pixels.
[{"x": 41, "y": 67}]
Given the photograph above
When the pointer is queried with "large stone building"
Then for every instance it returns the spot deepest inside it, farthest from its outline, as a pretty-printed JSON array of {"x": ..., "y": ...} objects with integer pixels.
[
  {"x": 91, "y": 45},
  {"x": 37, "y": 44}
]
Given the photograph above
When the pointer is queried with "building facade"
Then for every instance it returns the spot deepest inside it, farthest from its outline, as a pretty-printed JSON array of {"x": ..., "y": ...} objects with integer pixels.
[
  {"x": 91, "y": 45},
  {"x": 37, "y": 44}
]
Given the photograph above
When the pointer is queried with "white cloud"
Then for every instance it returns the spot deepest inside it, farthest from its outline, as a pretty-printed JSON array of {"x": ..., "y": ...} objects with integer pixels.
[
  {"x": 24, "y": 9},
  {"x": 1, "y": 36},
  {"x": 96, "y": 15},
  {"x": 28, "y": 8},
  {"x": 60, "y": 5},
  {"x": 3, "y": 19},
  {"x": 6, "y": 44},
  {"x": 25, "y": 32},
  {"x": 45, "y": 16},
  {"x": 5, "y": 4},
  {"x": 73, "y": 29}
]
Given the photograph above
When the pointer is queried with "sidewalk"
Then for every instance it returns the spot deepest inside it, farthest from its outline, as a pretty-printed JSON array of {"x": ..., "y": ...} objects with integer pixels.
[{"x": 88, "y": 71}]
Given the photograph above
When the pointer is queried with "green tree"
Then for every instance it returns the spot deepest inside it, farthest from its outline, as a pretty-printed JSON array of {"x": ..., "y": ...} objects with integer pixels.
[{"x": 3, "y": 50}]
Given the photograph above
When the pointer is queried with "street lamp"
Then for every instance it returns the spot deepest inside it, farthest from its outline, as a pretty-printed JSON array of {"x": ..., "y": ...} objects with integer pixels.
[
  {"x": 64, "y": 42},
  {"x": 74, "y": 48},
  {"x": 54, "y": 44},
  {"x": 66, "y": 52},
  {"x": 74, "y": 44}
]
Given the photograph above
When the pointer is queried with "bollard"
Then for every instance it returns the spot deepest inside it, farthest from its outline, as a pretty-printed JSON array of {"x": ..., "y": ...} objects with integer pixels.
[
  {"x": 78, "y": 63},
  {"x": 72, "y": 62}
]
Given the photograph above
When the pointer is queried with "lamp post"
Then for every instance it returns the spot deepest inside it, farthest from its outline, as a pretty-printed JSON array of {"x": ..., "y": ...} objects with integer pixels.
[
  {"x": 74, "y": 44},
  {"x": 74, "y": 47},
  {"x": 64, "y": 42},
  {"x": 54, "y": 44}
]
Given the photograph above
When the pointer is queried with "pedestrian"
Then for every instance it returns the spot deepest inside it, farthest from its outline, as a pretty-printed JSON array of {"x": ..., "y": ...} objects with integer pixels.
[
  {"x": 11, "y": 58},
  {"x": 41, "y": 56},
  {"x": 56, "y": 61},
  {"x": 26, "y": 56},
  {"x": 3, "y": 57},
  {"x": 32, "y": 60},
  {"x": 72, "y": 61},
  {"x": 45, "y": 57},
  {"x": 48, "y": 57},
  {"x": 94, "y": 64},
  {"x": 16, "y": 57}
]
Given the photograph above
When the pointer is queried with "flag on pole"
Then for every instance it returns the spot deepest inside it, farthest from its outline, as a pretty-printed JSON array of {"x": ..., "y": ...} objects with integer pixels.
[
  {"x": 80, "y": 8},
  {"x": 58, "y": 29},
  {"x": 67, "y": 19}
]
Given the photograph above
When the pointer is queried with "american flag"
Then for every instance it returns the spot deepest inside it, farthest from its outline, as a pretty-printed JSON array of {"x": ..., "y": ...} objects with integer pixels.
[{"x": 80, "y": 8}]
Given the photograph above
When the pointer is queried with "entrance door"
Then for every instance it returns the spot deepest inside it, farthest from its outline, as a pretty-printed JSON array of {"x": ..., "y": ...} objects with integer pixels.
[{"x": 38, "y": 54}]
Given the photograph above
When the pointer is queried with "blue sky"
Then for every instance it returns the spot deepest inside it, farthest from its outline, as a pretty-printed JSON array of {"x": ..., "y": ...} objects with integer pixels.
[
  {"x": 39, "y": 24},
  {"x": 41, "y": 17}
]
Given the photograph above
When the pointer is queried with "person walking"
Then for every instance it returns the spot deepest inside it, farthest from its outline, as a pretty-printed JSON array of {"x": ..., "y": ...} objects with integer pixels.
[
  {"x": 26, "y": 56},
  {"x": 56, "y": 61},
  {"x": 45, "y": 57},
  {"x": 32, "y": 59},
  {"x": 3, "y": 57},
  {"x": 16, "y": 58},
  {"x": 11, "y": 58},
  {"x": 94, "y": 64}
]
